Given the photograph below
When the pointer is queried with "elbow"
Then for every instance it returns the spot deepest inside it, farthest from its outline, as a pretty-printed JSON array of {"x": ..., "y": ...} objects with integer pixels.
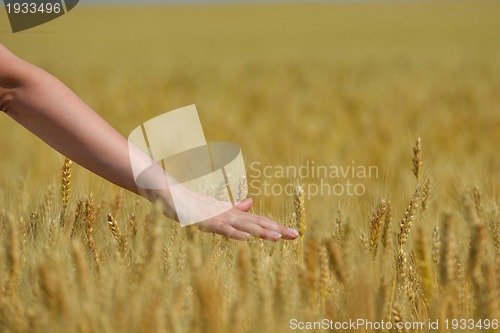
[
  {"x": 9, "y": 88},
  {"x": 14, "y": 74},
  {"x": 6, "y": 98}
]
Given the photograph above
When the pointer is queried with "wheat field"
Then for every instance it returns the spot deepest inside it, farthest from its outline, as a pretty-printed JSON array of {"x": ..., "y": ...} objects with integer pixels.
[{"x": 411, "y": 88}]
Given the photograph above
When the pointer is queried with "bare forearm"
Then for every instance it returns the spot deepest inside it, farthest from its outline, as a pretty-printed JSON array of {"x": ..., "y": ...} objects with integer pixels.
[
  {"x": 57, "y": 116},
  {"x": 50, "y": 110}
]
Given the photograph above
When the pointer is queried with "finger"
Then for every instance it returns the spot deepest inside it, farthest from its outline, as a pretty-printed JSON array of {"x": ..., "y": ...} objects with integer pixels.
[
  {"x": 249, "y": 223},
  {"x": 245, "y": 205},
  {"x": 223, "y": 229},
  {"x": 268, "y": 224}
]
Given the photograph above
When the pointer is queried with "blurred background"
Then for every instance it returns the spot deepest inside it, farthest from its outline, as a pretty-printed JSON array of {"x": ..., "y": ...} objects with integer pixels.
[
  {"x": 329, "y": 82},
  {"x": 293, "y": 83}
]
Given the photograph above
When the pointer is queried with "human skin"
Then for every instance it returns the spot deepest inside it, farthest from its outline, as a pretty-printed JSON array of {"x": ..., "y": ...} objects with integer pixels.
[{"x": 50, "y": 110}]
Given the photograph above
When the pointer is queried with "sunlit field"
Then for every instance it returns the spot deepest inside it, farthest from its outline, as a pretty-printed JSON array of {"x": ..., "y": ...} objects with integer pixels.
[{"x": 298, "y": 87}]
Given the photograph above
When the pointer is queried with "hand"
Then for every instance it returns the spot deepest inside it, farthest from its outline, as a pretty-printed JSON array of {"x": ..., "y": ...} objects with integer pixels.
[
  {"x": 220, "y": 217},
  {"x": 238, "y": 224}
]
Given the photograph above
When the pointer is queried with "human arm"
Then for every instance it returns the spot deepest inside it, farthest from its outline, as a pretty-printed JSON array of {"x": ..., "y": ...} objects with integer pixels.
[{"x": 50, "y": 110}]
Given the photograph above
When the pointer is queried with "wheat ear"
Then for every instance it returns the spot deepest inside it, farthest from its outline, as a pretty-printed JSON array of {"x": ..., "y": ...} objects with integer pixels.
[
  {"x": 417, "y": 158},
  {"x": 408, "y": 218},
  {"x": 117, "y": 235},
  {"x": 89, "y": 230},
  {"x": 376, "y": 227},
  {"x": 66, "y": 182}
]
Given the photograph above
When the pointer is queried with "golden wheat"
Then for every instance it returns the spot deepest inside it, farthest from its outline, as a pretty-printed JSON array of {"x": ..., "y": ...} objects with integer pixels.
[
  {"x": 292, "y": 101},
  {"x": 417, "y": 158},
  {"x": 66, "y": 183},
  {"x": 376, "y": 227}
]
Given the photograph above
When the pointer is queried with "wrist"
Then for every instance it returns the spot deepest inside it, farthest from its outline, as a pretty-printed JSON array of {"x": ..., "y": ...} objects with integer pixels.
[{"x": 163, "y": 198}]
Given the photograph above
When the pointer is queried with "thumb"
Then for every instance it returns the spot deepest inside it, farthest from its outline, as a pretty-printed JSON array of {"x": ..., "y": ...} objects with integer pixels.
[{"x": 245, "y": 205}]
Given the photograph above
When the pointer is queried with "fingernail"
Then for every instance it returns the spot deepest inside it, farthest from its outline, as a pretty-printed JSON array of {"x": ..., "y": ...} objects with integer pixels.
[
  {"x": 275, "y": 235},
  {"x": 293, "y": 232},
  {"x": 247, "y": 235}
]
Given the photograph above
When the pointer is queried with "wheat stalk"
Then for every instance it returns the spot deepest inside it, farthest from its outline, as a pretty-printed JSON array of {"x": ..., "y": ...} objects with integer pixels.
[
  {"x": 339, "y": 228},
  {"x": 132, "y": 223},
  {"x": 81, "y": 274},
  {"x": 53, "y": 296},
  {"x": 280, "y": 294},
  {"x": 397, "y": 320},
  {"x": 66, "y": 173},
  {"x": 79, "y": 214},
  {"x": 401, "y": 269},
  {"x": 488, "y": 301},
  {"x": 89, "y": 230},
  {"x": 299, "y": 220},
  {"x": 417, "y": 159},
  {"x": 426, "y": 190},
  {"x": 48, "y": 203},
  {"x": 12, "y": 254},
  {"x": 421, "y": 260},
  {"x": 413, "y": 286},
  {"x": 446, "y": 251},
  {"x": 458, "y": 283},
  {"x": 382, "y": 300},
  {"x": 494, "y": 228},
  {"x": 244, "y": 272},
  {"x": 311, "y": 262},
  {"x": 408, "y": 218},
  {"x": 117, "y": 235},
  {"x": 476, "y": 254},
  {"x": 324, "y": 273},
  {"x": 336, "y": 261},
  {"x": 376, "y": 227},
  {"x": 386, "y": 234},
  {"x": 436, "y": 244},
  {"x": 300, "y": 209},
  {"x": 118, "y": 203},
  {"x": 242, "y": 188},
  {"x": 477, "y": 201}
]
